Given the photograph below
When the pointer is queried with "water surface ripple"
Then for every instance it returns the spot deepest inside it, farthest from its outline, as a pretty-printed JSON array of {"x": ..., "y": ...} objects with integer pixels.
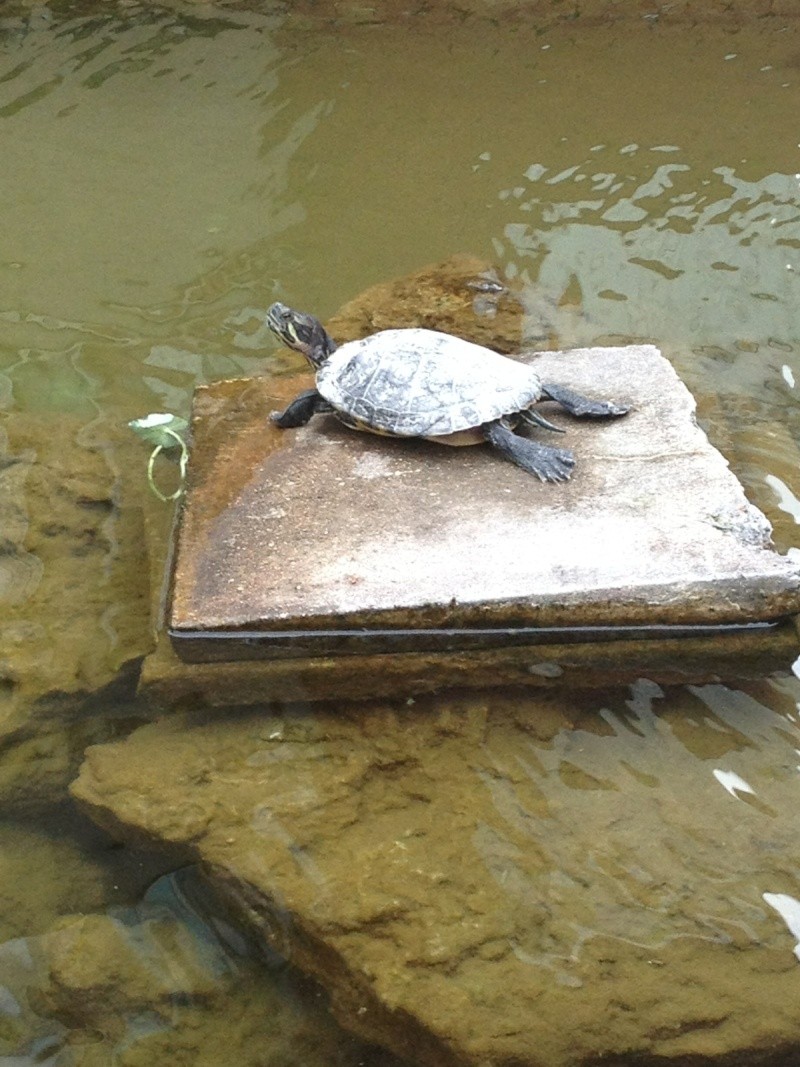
[{"x": 166, "y": 177}]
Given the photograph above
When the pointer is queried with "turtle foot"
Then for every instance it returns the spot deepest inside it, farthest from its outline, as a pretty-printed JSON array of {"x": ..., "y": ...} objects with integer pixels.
[
  {"x": 306, "y": 404},
  {"x": 548, "y": 464},
  {"x": 582, "y": 406}
]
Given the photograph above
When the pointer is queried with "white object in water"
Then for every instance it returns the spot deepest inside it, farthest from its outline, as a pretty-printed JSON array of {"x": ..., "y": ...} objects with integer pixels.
[
  {"x": 731, "y": 781},
  {"x": 789, "y": 910},
  {"x": 160, "y": 428}
]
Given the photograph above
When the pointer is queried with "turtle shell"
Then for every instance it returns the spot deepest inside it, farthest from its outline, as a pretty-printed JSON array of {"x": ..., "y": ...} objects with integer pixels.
[{"x": 421, "y": 383}]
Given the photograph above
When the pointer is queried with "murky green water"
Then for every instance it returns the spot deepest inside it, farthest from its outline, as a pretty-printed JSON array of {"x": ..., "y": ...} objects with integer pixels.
[{"x": 166, "y": 177}]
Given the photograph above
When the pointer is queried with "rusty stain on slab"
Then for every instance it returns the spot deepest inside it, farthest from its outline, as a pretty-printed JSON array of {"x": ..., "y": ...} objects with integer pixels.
[
  {"x": 324, "y": 528},
  {"x": 748, "y": 656}
]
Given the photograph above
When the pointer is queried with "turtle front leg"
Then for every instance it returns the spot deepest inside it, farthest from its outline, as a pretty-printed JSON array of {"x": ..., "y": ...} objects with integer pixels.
[
  {"x": 548, "y": 464},
  {"x": 581, "y": 406},
  {"x": 306, "y": 404}
]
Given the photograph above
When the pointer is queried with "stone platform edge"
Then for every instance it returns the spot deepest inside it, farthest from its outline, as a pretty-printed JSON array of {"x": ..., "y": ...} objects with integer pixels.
[{"x": 166, "y": 680}]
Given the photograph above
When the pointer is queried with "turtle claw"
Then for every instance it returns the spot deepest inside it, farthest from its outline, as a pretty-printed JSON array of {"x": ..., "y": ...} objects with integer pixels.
[{"x": 533, "y": 418}]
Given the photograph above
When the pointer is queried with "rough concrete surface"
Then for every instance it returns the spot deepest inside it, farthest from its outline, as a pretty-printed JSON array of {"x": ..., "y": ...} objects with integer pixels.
[
  {"x": 498, "y": 881},
  {"x": 323, "y": 528}
]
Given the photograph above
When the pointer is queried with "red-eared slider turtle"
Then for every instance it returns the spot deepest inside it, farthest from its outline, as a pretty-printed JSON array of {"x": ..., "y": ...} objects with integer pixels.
[{"x": 421, "y": 383}]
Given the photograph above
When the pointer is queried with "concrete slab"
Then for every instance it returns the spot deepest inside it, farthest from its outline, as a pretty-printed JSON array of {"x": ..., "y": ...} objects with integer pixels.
[{"x": 324, "y": 541}]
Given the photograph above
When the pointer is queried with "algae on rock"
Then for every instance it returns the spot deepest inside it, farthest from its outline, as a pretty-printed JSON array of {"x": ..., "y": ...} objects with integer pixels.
[
  {"x": 74, "y": 597},
  {"x": 163, "y": 982},
  {"x": 495, "y": 880}
]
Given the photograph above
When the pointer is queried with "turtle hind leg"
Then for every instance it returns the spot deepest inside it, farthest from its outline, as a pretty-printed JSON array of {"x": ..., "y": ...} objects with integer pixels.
[
  {"x": 298, "y": 413},
  {"x": 548, "y": 464},
  {"x": 581, "y": 406}
]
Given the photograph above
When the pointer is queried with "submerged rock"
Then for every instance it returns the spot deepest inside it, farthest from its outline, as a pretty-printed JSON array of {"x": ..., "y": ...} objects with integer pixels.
[
  {"x": 162, "y": 983},
  {"x": 466, "y": 296},
  {"x": 500, "y": 880},
  {"x": 74, "y": 594},
  {"x": 88, "y": 603},
  {"x": 462, "y": 295},
  {"x": 91, "y": 871}
]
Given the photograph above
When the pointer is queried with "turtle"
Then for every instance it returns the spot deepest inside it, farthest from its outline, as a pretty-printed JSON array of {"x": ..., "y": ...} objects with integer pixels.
[{"x": 416, "y": 382}]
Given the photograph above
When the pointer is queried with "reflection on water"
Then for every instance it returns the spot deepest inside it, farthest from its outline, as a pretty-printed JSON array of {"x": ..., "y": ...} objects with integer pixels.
[
  {"x": 728, "y": 247},
  {"x": 167, "y": 177},
  {"x": 632, "y": 837}
]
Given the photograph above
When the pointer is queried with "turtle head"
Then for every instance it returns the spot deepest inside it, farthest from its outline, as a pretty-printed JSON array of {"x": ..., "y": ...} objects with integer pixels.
[{"x": 301, "y": 332}]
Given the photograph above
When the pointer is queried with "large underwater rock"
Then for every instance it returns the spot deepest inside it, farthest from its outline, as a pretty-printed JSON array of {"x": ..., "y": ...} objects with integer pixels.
[{"x": 500, "y": 879}]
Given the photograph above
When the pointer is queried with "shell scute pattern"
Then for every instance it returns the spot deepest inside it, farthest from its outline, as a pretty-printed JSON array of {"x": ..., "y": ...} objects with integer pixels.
[{"x": 424, "y": 383}]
